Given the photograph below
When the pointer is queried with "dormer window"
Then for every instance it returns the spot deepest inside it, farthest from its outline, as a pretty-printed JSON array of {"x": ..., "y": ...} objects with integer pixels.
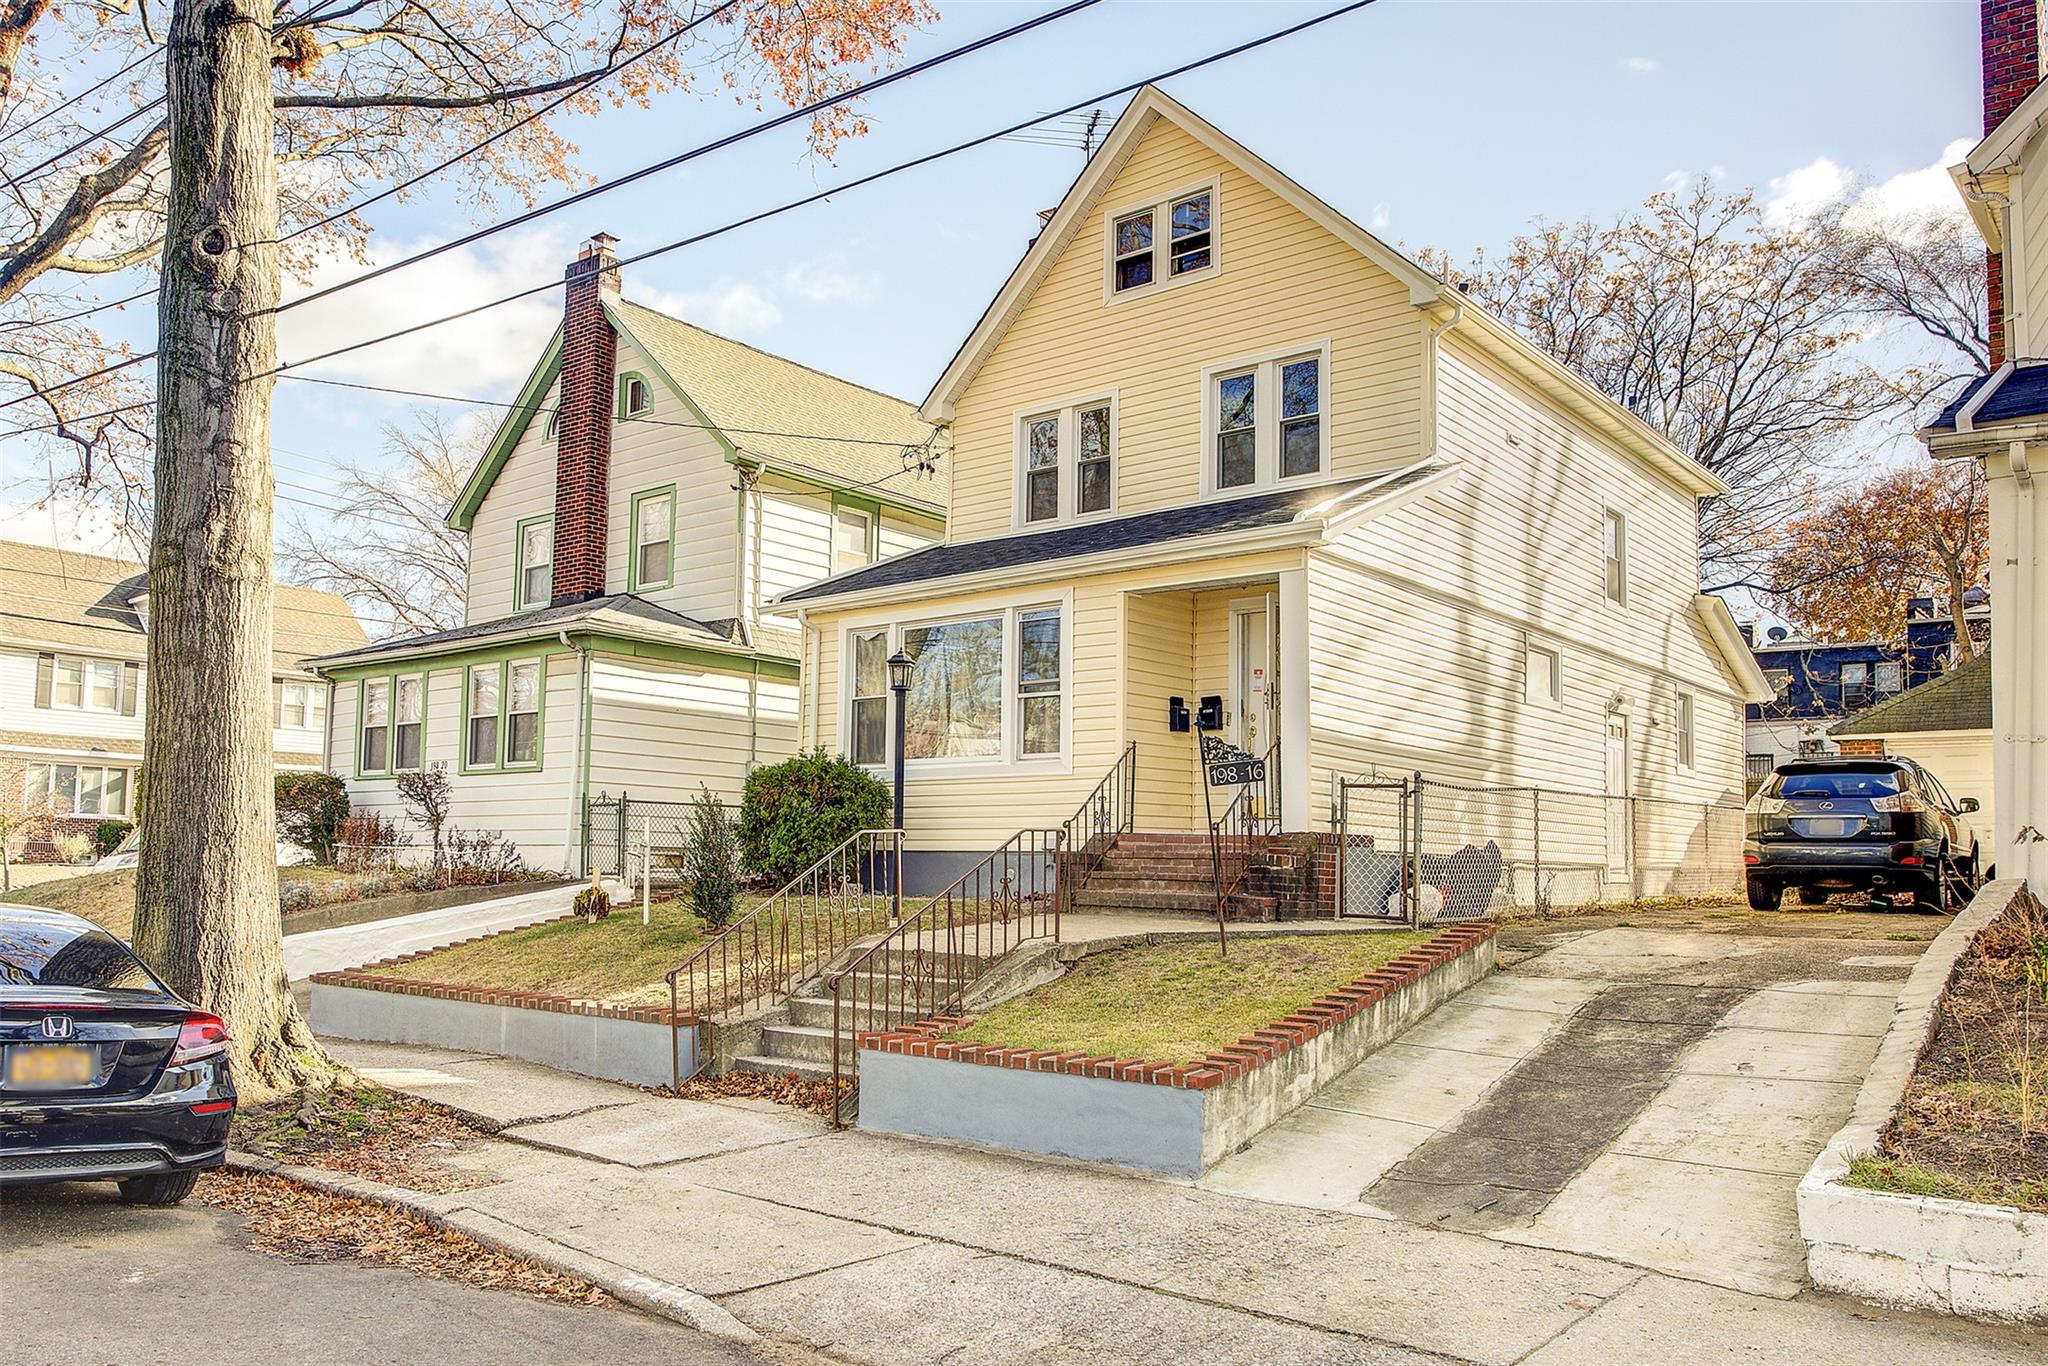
[
  {"x": 1066, "y": 461},
  {"x": 1163, "y": 243}
]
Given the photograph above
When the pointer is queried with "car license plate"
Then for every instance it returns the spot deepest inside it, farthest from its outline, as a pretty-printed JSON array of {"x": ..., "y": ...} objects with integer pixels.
[
  {"x": 50, "y": 1066},
  {"x": 1828, "y": 827}
]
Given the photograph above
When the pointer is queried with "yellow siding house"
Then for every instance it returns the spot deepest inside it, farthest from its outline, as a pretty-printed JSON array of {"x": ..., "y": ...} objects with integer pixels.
[{"x": 1214, "y": 441}]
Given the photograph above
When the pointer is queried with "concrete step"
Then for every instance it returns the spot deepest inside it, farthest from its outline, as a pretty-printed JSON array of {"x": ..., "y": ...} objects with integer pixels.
[
  {"x": 800, "y": 1043},
  {"x": 1140, "y": 877},
  {"x": 815, "y": 1012},
  {"x": 780, "y": 1067},
  {"x": 1135, "y": 899}
]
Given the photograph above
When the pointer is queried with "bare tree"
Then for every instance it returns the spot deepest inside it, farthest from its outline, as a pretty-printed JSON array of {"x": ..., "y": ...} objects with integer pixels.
[
  {"x": 388, "y": 548},
  {"x": 1717, "y": 327},
  {"x": 1920, "y": 275}
]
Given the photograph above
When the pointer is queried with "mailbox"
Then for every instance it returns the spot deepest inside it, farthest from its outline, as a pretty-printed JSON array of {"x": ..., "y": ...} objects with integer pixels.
[
  {"x": 1177, "y": 719},
  {"x": 1211, "y": 717}
]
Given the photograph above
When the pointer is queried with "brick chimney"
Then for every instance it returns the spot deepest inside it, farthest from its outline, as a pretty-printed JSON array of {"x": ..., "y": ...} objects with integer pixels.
[
  {"x": 2012, "y": 68},
  {"x": 583, "y": 429}
]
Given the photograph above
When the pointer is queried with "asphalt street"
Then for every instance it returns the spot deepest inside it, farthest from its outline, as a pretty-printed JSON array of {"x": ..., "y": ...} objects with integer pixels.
[{"x": 84, "y": 1278}]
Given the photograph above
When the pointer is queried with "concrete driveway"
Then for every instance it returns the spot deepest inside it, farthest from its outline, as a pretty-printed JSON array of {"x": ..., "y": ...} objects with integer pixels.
[
  {"x": 350, "y": 946},
  {"x": 1649, "y": 1093}
]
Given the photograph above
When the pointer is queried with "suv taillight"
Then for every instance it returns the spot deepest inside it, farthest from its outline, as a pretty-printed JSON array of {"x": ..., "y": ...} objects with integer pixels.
[
  {"x": 204, "y": 1036},
  {"x": 1900, "y": 802}
]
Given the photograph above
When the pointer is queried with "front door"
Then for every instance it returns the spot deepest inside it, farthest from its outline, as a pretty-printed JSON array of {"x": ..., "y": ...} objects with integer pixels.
[
  {"x": 1617, "y": 799},
  {"x": 1254, "y": 690}
]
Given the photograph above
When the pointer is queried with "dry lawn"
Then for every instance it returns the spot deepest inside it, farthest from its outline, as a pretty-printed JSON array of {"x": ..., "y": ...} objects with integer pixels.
[
  {"x": 1178, "y": 1002},
  {"x": 108, "y": 899}
]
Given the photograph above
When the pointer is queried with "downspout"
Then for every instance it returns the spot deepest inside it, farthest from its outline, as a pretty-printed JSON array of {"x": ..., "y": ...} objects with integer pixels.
[
  {"x": 2025, "y": 583},
  {"x": 754, "y": 717},
  {"x": 754, "y": 600},
  {"x": 580, "y": 794}
]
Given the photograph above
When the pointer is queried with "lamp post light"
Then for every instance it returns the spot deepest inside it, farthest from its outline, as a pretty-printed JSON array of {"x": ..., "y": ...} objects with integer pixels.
[{"x": 900, "y": 665}]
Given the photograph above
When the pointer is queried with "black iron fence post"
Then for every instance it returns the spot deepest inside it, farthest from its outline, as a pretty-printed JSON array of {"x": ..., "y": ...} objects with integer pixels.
[{"x": 620, "y": 869}]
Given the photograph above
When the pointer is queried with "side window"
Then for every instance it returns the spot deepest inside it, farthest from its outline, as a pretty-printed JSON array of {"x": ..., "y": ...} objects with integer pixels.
[
  {"x": 654, "y": 521},
  {"x": 869, "y": 733},
  {"x": 853, "y": 538},
  {"x": 536, "y": 550},
  {"x": 1540, "y": 681},
  {"x": 1614, "y": 554},
  {"x": 635, "y": 396}
]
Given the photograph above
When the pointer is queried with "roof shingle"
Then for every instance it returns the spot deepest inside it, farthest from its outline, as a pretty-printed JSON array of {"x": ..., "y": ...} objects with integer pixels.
[{"x": 1957, "y": 700}]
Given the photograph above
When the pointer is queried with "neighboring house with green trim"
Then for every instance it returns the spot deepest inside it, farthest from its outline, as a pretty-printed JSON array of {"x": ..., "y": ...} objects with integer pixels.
[{"x": 653, "y": 486}]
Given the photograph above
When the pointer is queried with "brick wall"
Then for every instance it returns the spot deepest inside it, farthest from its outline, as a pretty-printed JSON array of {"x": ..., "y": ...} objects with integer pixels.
[
  {"x": 2012, "y": 68},
  {"x": 583, "y": 434}
]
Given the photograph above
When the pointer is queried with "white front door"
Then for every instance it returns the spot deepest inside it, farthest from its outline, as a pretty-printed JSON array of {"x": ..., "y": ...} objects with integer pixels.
[
  {"x": 1617, "y": 799},
  {"x": 1254, "y": 691}
]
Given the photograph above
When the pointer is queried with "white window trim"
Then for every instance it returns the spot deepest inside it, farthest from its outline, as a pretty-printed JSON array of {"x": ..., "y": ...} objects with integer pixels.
[
  {"x": 1532, "y": 644},
  {"x": 870, "y": 537},
  {"x": 1685, "y": 729},
  {"x": 1266, "y": 419},
  {"x": 78, "y": 767},
  {"x": 1068, "y": 411},
  {"x": 85, "y": 703},
  {"x": 1009, "y": 608},
  {"x": 1620, "y": 520},
  {"x": 1162, "y": 236}
]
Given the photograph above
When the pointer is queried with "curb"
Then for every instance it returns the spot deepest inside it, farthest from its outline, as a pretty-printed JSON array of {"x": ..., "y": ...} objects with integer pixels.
[{"x": 664, "y": 1299}]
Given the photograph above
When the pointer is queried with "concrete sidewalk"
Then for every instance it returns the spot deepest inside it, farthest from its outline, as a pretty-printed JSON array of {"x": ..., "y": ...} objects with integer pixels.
[
  {"x": 890, "y": 1250},
  {"x": 349, "y": 946}
]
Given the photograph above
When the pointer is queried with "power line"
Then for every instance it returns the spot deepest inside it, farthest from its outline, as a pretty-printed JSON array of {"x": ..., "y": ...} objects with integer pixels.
[
  {"x": 603, "y": 187},
  {"x": 88, "y": 140},
  {"x": 789, "y": 206},
  {"x": 86, "y": 93}
]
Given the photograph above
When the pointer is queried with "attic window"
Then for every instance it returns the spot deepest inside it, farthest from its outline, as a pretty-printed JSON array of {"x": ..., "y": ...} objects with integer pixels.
[
  {"x": 635, "y": 397},
  {"x": 1142, "y": 257}
]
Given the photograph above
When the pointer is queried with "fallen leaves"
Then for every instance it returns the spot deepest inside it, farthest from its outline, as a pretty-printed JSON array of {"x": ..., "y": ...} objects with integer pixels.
[
  {"x": 784, "y": 1088},
  {"x": 363, "y": 1131},
  {"x": 288, "y": 1220}
]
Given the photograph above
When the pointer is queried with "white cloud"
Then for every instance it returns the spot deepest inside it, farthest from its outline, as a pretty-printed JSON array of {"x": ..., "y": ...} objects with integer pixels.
[
  {"x": 740, "y": 308},
  {"x": 751, "y": 308},
  {"x": 1923, "y": 192},
  {"x": 66, "y": 524},
  {"x": 1641, "y": 66},
  {"x": 1382, "y": 217},
  {"x": 830, "y": 279}
]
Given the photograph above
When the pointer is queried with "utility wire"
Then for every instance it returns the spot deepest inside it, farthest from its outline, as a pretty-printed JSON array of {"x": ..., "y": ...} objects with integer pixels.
[
  {"x": 86, "y": 93},
  {"x": 858, "y": 182}
]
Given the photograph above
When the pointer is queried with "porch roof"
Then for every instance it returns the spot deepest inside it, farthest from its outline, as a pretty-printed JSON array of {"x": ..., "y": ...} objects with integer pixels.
[
  {"x": 1219, "y": 519},
  {"x": 619, "y": 614}
]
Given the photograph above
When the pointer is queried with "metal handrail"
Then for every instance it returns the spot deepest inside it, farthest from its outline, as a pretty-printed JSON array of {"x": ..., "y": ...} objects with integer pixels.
[
  {"x": 775, "y": 949},
  {"x": 1110, "y": 810},
  {"x": 1233, "y": 836},
  {"x": 926, "y": 964}
]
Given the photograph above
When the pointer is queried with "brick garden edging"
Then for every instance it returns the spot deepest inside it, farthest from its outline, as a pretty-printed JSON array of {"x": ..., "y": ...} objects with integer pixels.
[
  {"x": 628, "y": 1043},
  {"x": 1921, "y": 1251},
  {"x": 1178, "y": 1118}
]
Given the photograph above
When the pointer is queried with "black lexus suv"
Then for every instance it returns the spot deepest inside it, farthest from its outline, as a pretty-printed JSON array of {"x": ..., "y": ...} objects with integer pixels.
[
  {"x": 105, "y": 1074},
  {"x": 1881, "y": 825}
]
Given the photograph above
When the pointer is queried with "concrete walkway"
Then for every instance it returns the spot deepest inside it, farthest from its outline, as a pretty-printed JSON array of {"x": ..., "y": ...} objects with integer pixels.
[
  {"x": 889, "y": 1250},
  {"x": 350, "y": 946},
  {"x": 1650, "y": 1096}
]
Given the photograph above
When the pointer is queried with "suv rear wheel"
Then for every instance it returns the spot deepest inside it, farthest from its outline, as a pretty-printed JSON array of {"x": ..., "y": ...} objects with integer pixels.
[{"x": 1764, "y": 896}]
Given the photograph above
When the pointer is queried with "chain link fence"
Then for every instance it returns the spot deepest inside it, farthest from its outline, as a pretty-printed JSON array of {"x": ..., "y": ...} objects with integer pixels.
[
  {"x": 1422, "y": 851},
  {"x": 615, "y": 829}
]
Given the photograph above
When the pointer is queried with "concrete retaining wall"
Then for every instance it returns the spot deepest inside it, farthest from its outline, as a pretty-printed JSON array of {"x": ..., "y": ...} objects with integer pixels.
[
  {"x": 1979, "y": 1261},
  {"x": 606, "y": 1046},
  {"x": 1177, "y": 1120}
]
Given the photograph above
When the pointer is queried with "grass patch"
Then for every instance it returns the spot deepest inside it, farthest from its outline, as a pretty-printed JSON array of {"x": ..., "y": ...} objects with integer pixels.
[
  {"x": 1904, "y": 1177},
  {"x": 1179, "y": 1002},
  {"x": 617, "y": 959},
  {"x": 108, "y": 899}
]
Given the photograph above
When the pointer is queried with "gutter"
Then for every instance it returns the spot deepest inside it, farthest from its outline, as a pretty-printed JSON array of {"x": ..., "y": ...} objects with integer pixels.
[{"x": 1966, "y": 416}]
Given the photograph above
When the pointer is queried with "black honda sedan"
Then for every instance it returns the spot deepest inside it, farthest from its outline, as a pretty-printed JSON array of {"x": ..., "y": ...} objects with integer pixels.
[
  {"x": 105, "y": 1074},
  {"x": 1880, "y": 824}
]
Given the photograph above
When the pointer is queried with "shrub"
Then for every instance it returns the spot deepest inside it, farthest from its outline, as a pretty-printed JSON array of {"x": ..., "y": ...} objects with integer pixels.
[
  {"x": 294, "y": 896},
  {"x": 71, "y": 847},
  {"x": 427, "y": 795},
  {"x": 481, "y": 858},
  {"x": 711, "y": 867},
  {"x": 793, "y": 813},
  {"x": 367, "y": 842},
  {"x": 310, "y": 810},
  {"x": 107, "y": 835}
]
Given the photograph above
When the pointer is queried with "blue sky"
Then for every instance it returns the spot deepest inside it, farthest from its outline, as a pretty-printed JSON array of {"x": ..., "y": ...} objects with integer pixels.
[{"x": 1441, "y": 124}]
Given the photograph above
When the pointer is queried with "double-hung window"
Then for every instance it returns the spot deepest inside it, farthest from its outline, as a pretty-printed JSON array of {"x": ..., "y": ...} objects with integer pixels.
[
  {"x": 1683, "y": 727},
  {"x": 985, "y": 689},
  {"x": 870, "y": 690},
  {"x": 1066, "y": 461},
  {"x": 1266, "y": 420},
  {"x": 1614, "y": 556},
  {"x": 536, "y": 550},
  {"x": 301, "y": 705},
  {"x": 522, "y": 712},
  {"x": 853, "y": 538},
  {"x": 85, "y": 684},
  {"x": 376, "y": 750},
  {"x": 482, "y": 735},
  {"x": 654, "y": 535},
  {"x": 1163, "y": 242},
  {"x": 409, "y": 714}
]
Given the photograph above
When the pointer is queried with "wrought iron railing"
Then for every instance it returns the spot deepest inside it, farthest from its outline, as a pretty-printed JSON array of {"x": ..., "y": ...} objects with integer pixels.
[
  {"x": 1237, "y": 836},
  {"x": 1109, "y": 811},
  {"x": 926, "y": 964},
  {"x": 786, "y": 941}
]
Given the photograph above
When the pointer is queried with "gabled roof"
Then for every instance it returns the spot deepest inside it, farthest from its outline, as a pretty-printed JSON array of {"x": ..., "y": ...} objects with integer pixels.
[
  {"x": 2010, "y": 394},
  {"x": 1957, "y": 700},
  {"x": 1312, "y": 512},
  {"x": 64, "y": 598},
  {"x": 1076, "y": 212},
  {"x": 763, "y": 409},
  {"x": 619, "y": 614}
]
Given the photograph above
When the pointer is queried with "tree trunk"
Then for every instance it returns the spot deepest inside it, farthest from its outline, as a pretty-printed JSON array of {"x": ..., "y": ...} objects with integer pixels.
[{"x": 206, "y": 887}]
